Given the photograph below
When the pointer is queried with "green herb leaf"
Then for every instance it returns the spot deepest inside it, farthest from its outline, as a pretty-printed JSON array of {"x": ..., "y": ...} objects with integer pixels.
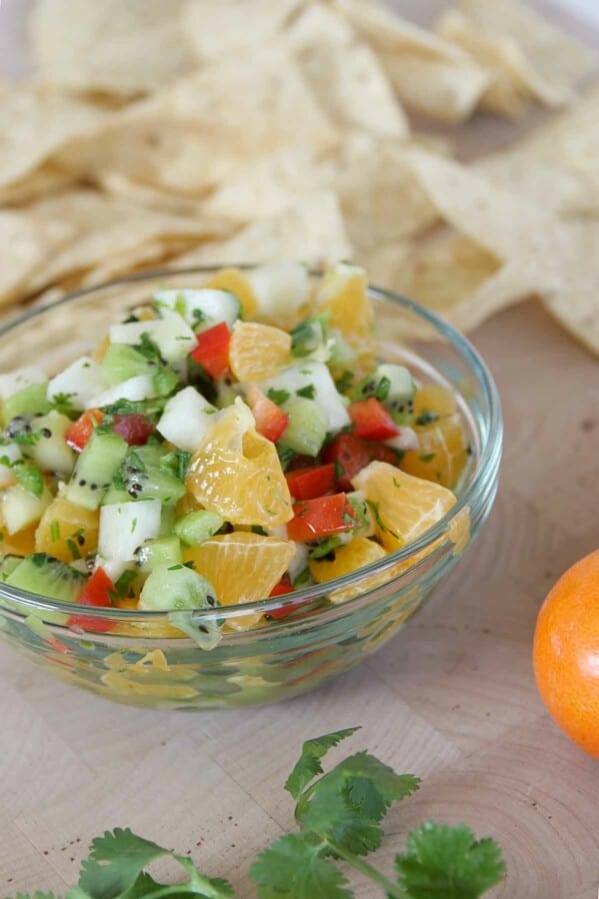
[
  {"x": 426, "y": 418},
  {"x": 442, "y": 862},
  {"x": 149, "y": 349},
  {"x": 308, "y": 764},
  {"x": 309, "y": 391},
  {"x": 345, "y": 381},
  {"x": 29, "y": 476},
  {"x": 325, "y": 547},
  {"x": 294, "y": 867},
  {"x": 278, "y": 396},
  {"x": 176, "y": 462},
  {"x": 62, "y": 403}
]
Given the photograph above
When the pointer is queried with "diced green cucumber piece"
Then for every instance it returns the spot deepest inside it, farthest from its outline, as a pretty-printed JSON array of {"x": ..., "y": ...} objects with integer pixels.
[
  {"x": 142, "y": 477},
  {"x": 196, "y": 527},
  {"x": 202, "y": 308},
  {"x": 79, "y": 382},
  {"x": 124, "y": 527},
  {"x": 8, "y": 565},
  {"x": 226, "y": 393},
  {"x": 393, "y": 386},
  {"x": 19, "y": 378},
  {"x": 313, "y": 378},
  {"x": 307, "y": 427},
  {"x": 168, "y": 516},
  {"x": 95, "y": 469},
  {"x": 29, "y": 401},
  {"x": 164, "y": 551},
  {"x": 179, "y": 590},
  {"x": 20, "y": 508},
  {"x": 51, "y": 451},
  {"x": 186, "y": 419},
  {"x": 43, "y": 574},
  {"x": 123, "y": 362}
]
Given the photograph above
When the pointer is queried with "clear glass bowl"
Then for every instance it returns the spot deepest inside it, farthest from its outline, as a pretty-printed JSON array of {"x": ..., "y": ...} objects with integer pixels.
[{"x": 141, "y": 658}]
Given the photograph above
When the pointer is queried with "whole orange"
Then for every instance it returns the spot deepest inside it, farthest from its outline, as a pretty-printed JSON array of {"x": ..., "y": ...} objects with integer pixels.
[{"x": 566, "y": 653}]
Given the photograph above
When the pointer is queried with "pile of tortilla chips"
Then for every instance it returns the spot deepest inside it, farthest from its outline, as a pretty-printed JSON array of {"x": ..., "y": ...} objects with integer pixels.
[{"x": 218, "y": 131}]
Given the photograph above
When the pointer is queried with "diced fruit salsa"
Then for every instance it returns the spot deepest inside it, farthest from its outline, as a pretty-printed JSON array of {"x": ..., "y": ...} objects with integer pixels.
[{"x": 219, "y": 446}]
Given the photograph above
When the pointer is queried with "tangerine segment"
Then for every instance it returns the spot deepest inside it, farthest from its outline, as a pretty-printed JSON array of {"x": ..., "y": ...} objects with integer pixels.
[
  {"x": 242, "y": 567},
  {"x": 434, "y": 398},
  {"x": 353, "y": 555},
  {"x": 403, "y": 506},
  {"x": 237, "y": 473},
  {"x": 67, "y": 531},
  {"x": 442, "y": 454},
  {"x": 20, "y": 544},
  {"x": 343, "y": 294},
  {"x": 566, "y": 653},
  {"x": 233, "y": 280},
  {"x": 257, "y": 352}
]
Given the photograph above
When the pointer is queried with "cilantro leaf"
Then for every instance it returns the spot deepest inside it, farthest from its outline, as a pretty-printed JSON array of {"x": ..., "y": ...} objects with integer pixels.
[
  {"x": 292, "y": 866},
  {"x": 29, "y": 476},
  {"x": 176, "y": 463},
  {"x": 116, "y": 863},
  {"x": 308, "y": 764},
  {"x": 442, "y": 862},
  {"x": 278, "y": 396}
]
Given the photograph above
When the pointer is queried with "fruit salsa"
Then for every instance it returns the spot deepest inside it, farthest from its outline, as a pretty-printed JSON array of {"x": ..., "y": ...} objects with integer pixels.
[{"x": 219, "y": 446}]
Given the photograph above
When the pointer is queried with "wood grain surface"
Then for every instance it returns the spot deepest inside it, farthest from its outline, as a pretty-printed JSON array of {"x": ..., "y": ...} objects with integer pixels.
[{"x": 451, "y": 699}]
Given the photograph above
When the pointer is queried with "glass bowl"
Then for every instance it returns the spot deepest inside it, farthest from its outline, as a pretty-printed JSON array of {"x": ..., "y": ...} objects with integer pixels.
[{"x": 140, "y": 658}]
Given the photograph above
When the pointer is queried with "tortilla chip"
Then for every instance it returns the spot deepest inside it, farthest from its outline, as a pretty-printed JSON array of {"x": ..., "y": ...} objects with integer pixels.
[
  {"x": 381, "y": 200},
  {"x": 151, "y": 254},
  {"x": 121, "y": 187},
  {"x": 311, "y": 230},
  {"x": 429, "y": 74},
  {"x": 190, "y": 137},
  {"x": 41, "y": 182},
  {"x": 547, "y": 62},
  {"x": 222, "y": 28},
  {"x": 121, "y": 46},
  {"x": 506, "y": 94},
  {"x": 34, "y": 123},
  {"x": 269, "y": 185},
  {"x": 577, "y": 310},
  {"x": 557, "y": 165},
  {"x": 345, "y": 75}
]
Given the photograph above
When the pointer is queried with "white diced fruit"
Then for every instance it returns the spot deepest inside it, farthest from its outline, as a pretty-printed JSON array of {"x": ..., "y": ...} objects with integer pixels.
[
  {"x": 206, "y": 307},
  {"x": 280, "y": 289},
  {"x": 80, "y": 381},
  {"x": 125, "y": 526},
  {"x": 51, "y": 452},
  {"x": 186, "y": 419},
  {"x": 20, "y": 508},
  {"x": 19, "y": 379},
  {"x": 11, "y": 453},
  {"x": 326, "y": 395},
  {"x": 135, "y": 389},
  {"x": 171, "y": 334}
]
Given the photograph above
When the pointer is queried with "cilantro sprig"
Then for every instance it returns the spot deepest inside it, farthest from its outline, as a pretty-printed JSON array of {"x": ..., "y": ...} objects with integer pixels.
[{"x": 339, "y": 815}]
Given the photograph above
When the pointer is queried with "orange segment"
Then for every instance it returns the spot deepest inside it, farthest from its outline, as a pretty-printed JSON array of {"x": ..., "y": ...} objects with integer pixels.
[
  {"x": 242, "y": 567},
  {"x": 67, "y": 531},
  {"x": 359, "y": 552},
  {"x": 237, "y": 473},
  {"x": 343, "y": 294},
  {"x": 404, "y": 507},
  {"x": 443, "y": 451},
  {"x": 20, "y": 544},
  {"x": 233, "y": 280},
  {"x": 257, "y": 352}
]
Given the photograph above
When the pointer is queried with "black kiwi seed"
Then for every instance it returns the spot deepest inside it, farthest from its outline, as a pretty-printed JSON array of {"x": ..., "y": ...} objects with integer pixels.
[
  {"x": 82, "y": 482},
  {"x": 46, "y": 432},
  {"x": 203, "y": 628},
  {"x": 211, "y": 600},
  {"x": 93, "y": 486}
]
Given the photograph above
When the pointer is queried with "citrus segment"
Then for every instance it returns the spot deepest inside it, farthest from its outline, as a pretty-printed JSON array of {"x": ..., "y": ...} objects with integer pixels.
[
  {"x": 233, "y": 280},
  {"x": 237, "y": 473},
  {"x": 20, "y": 544},
  {"x": 403, "y": 506},
  {"x": 67, "y": 531},
  {"x": 359, "y": 552},
  {"x": 343, "y": 294},
  {"x": 257, "y": 351},
  {"x": 443, "y": 448},
  {"x": 242, "y": 567}
]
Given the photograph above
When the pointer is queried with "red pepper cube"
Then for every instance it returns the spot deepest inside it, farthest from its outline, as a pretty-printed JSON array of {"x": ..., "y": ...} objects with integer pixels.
[
  {"x": 309, "y": 483},
  {"x": 212, "y": 350},
  {"x": 97, "y": 592},
  {"x": 322, "y": 517},
  {"x": 371, "y": 420},
  {"x": 349, "y": 455},
  {"x": 271, "y": 421},
  {"x": 78, "y": 434}
]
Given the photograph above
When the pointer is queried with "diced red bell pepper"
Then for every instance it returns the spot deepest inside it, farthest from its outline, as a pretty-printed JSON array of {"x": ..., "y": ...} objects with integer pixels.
[
  {"x": 308, "y": 483},
  {"x": 78, "y": 434},
  {"x": 97, "y": 592},
  {"x": 271, "y": 421},
  {"x": 350, "y": 455},
  {"x": 371, "y": 420},
  {"x": 322, "y": 517},
  {"x": 284, "y": 586},
  {"x": 212, "y": 350},
  {"x": 133, "y": 428}
]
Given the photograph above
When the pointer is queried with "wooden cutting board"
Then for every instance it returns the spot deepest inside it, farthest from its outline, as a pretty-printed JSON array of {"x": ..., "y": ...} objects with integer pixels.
[{"x": 451, "y": 699}]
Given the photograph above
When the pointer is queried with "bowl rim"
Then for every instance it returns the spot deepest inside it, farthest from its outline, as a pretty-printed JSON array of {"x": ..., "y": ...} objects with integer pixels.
[{"x": 487, "y": 462}]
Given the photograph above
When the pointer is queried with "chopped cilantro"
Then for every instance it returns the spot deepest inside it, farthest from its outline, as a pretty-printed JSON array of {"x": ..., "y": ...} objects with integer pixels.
[
  {"x": 345, "y": 381},
  {"x": 176, "y": 462},
  {"x": 324, "y": 548},
  {"x": 61, "y": 402},
  {"x": 382, "y": 388},
  {"x": 29, "y": 476},
  {"x": 55, "y": 531},
  {"x": 73, "y": 548},
  {"x": 258, "y": 529},
  {"x": 427, "y": 457},
  {"x": 309, "y": 391},
  {"x": 426, "y": 418},
  {"x": 278, "y": 396}
]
